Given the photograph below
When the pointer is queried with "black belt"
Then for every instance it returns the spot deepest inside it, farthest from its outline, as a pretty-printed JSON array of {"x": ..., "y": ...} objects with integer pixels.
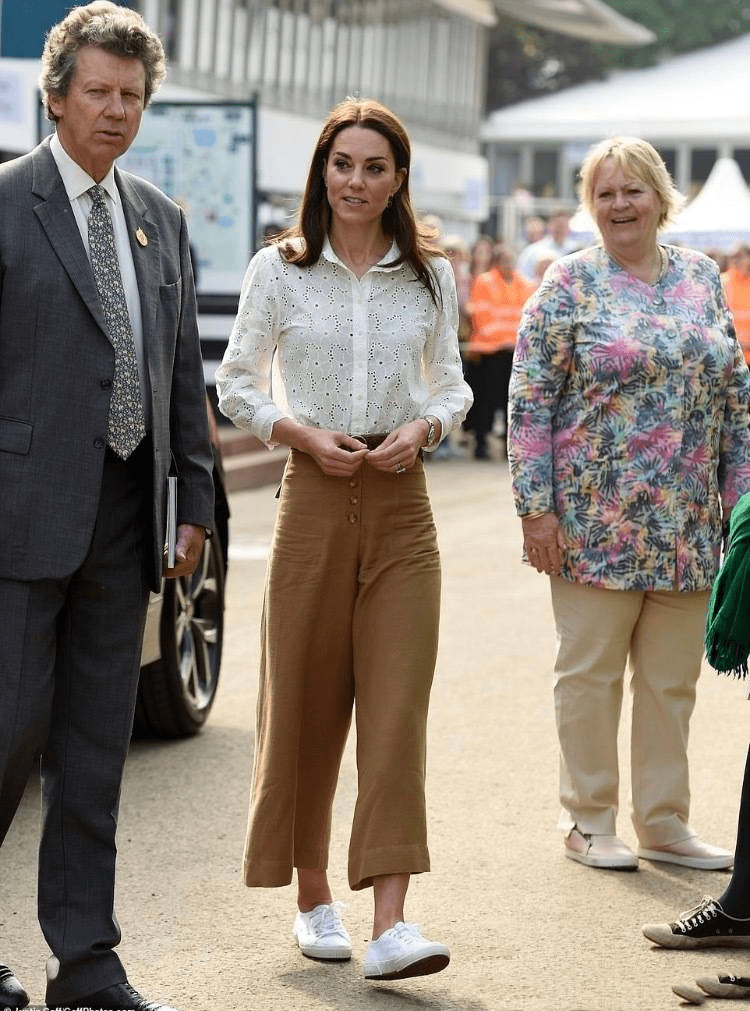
[{"x": 371, "y": 441}]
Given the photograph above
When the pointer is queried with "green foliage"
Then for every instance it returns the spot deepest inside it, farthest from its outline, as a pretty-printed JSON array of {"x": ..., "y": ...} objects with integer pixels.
[
  {"x": 526, "y": 62},
  {"x": 679, "y": 25}
]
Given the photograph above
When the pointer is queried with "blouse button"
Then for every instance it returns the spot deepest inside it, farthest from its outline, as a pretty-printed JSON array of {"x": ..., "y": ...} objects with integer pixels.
[
  {"x": 352, "y": 518},
  {"x": 353, "y": 500},
  {"x": 353, "y": 483}
]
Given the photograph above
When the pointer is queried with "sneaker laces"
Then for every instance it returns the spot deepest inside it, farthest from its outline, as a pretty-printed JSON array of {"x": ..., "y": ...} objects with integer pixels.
[
  {"x": 707, "y": 909},
  {"x": 407, "y": 933},
  {"x": 326, "y": 920},
  {"x": 138, "y": 1001}
]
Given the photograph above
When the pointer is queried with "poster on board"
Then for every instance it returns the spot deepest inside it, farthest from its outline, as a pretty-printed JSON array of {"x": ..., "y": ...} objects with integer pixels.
[{"x": 203, "y": 155}]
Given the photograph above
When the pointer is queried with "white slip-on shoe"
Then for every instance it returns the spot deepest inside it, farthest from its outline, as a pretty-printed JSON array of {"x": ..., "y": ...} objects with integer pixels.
[
  {"x": 691, "y": 852},
  {"x": 321, "y": 934},
  {"x": 606, "y": 851},
  {"x": 401, "y": 952}
]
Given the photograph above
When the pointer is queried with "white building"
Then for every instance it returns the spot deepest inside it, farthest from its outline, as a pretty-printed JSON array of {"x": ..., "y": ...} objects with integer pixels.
[{"x": 424, "y": 58}]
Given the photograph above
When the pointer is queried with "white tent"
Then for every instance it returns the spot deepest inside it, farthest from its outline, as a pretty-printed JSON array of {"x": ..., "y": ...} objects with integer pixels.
[
  {"x": 699, "y": 96},
  {"x": 718, "y": 217}
]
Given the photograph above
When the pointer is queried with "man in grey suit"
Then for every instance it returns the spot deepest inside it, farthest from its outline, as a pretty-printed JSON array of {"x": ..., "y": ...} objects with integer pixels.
[{"x": 101, "y": 392}]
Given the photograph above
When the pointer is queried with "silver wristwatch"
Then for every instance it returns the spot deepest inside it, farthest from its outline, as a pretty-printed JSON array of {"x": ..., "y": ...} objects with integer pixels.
[{"x": 432, "y": 430}]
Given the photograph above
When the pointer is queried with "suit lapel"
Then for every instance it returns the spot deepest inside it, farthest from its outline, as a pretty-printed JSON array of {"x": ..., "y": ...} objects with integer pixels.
[{"x": 58, "y": 221}]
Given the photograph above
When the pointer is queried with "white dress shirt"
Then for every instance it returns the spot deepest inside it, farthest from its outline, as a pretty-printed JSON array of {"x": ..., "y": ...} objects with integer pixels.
[
  {"x": 77, "y": 183},
  {"x": 361, "y": 356}
]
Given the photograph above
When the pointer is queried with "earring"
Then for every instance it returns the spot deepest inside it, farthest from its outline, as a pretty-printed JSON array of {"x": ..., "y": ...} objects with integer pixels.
[{"x": 390, "y": 203}]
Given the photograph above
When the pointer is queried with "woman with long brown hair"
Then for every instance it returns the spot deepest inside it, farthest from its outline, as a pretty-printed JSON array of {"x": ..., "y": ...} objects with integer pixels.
[{"x": 360, "y": 311}]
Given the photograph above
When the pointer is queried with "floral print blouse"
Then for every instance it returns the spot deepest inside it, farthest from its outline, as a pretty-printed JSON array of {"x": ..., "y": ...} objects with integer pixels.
[{"x": 629, "y": 419}]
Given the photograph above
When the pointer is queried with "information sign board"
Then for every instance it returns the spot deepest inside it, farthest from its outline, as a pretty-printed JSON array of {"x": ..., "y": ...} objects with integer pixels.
[{"x": 203, "y": 155}]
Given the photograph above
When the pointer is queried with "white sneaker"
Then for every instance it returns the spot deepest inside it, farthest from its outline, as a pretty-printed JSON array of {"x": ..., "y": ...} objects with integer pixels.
[
  {"x": 401, "y": 951},
  {"x": 599, "y": 851},
  {"x": 321, "y": 934},
  {"x": 691, "y": 852}
]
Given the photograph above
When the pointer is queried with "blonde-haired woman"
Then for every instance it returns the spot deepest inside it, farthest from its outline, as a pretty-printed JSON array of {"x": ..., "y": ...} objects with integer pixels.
[{"x": 629, "y": 446}]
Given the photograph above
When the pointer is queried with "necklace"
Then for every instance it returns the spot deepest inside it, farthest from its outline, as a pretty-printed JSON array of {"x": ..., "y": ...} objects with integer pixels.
[
  {"x": 663, "y": 264},
  {"x": 662, "y": 269},
  {"x": 659, "y": 300}
]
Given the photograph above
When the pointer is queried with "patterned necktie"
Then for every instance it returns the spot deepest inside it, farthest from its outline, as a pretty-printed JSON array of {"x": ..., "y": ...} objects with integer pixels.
[{"x": 126, "y": 425}]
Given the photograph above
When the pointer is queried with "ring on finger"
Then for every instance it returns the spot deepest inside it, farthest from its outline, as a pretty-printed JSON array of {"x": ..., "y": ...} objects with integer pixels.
[{"x": 400, "y": 469}]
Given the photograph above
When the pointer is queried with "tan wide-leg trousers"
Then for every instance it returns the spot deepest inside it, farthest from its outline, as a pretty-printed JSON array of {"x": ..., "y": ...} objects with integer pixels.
[
  {"x": 662, "y": 634},
  {"x": 350, "y": 619}
]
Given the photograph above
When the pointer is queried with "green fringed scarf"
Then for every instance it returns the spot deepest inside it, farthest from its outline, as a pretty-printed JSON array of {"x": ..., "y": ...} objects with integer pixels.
[{"x": 728, "y": 620}]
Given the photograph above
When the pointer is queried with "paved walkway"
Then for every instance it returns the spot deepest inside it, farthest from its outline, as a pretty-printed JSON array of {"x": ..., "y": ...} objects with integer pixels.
[{"x": 528, "y": 929}]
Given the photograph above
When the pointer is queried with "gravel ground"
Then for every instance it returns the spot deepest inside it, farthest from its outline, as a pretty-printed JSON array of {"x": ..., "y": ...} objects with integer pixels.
[{"x": 528, "y": 929}]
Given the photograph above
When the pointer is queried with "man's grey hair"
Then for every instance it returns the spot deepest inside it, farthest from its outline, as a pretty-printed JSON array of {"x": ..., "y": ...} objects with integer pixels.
[{"x": 117, "y": 30}]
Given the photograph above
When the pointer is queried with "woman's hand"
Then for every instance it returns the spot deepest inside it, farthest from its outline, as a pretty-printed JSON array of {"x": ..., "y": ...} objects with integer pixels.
[
  {"x": 337, "y": 454},
  {"x": 544, "y": 542},
  {"x": 400, "y": 449}
]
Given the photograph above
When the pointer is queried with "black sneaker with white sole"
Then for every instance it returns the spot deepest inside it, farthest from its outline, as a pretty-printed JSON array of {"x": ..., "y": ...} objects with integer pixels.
[
  {"x": 731, "y": 987},
  {"x": 705, "y": 926}
]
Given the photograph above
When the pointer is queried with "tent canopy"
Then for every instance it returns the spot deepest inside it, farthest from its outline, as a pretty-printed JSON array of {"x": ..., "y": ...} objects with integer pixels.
[
  {"x": 701, "y": 95},
  {"x": 718, "y": 217},
  {"x": 585, "y": 19}
]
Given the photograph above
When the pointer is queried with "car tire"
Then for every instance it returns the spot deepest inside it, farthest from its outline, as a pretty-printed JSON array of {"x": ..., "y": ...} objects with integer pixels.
[{"x": 176, "y": 692}]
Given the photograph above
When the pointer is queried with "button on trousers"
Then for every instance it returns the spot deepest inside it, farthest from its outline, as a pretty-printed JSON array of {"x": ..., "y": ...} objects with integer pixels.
[{"x": 350, "y": 623}]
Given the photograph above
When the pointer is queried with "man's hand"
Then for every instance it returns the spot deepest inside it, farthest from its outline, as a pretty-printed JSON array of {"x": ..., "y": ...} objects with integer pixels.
[{"x": 188, "y": 550}]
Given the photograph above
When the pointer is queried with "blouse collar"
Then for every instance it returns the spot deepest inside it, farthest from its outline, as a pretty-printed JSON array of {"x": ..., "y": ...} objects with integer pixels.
[{"x": 384, "y": 264}]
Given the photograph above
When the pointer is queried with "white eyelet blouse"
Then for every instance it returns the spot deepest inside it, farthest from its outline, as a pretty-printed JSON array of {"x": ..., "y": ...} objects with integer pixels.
[{"x": 361, "y": 356}]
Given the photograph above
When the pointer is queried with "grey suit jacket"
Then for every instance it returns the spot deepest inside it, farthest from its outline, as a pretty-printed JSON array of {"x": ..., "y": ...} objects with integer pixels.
[{"x": 57, "y": 364}]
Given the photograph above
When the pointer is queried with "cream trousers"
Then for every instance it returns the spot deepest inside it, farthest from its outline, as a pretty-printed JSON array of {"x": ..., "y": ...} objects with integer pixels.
[{"x": 598, "y": 631}]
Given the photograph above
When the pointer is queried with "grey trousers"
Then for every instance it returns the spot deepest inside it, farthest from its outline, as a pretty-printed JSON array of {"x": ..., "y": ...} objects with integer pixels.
[{"x": 69, "y": 664}]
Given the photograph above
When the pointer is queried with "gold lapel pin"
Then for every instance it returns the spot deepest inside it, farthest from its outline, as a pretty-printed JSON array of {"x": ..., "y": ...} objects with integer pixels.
[{"x": 142, "y": 237}]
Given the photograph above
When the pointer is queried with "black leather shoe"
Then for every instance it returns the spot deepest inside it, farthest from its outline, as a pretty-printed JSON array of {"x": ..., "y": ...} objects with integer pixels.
[
  {"x": 120, "y": 997},
  {"x": 12, "y": 994}
]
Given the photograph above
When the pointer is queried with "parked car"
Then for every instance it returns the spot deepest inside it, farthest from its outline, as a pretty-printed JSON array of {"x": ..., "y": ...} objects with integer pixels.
[{"x": 182, "y": 644}]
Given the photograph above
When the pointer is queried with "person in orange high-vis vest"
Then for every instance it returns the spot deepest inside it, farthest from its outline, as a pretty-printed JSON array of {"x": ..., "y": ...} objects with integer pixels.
[
  {"x": 737, "y": 288},
  {"x": 495, "y": 304}
]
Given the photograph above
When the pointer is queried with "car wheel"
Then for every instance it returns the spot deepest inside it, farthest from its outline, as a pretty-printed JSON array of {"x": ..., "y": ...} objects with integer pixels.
[{"x": 176, "y": 692}]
